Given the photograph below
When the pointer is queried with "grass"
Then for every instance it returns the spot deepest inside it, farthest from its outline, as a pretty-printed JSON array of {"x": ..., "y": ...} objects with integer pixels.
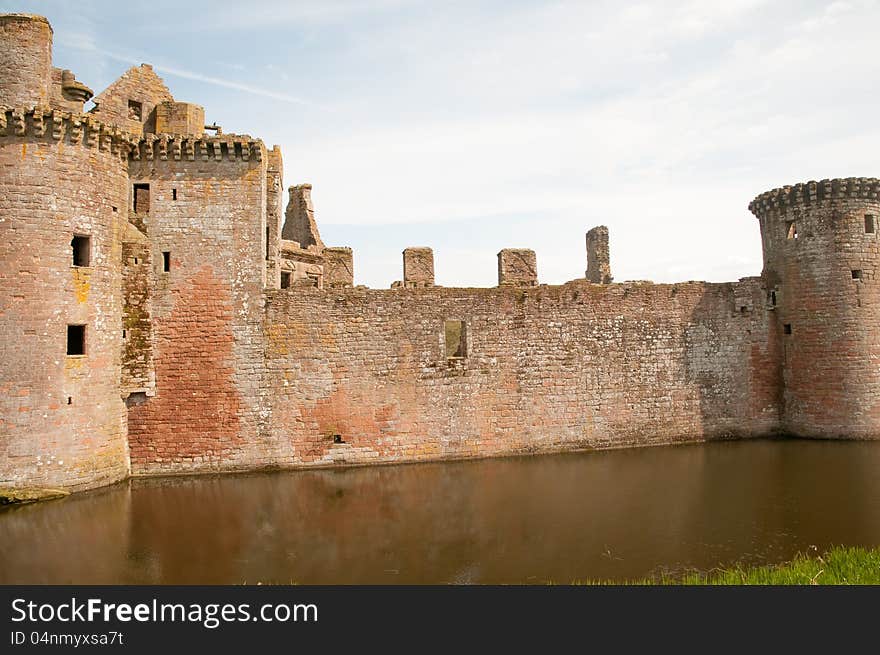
[{"x": 838, "y": 566}]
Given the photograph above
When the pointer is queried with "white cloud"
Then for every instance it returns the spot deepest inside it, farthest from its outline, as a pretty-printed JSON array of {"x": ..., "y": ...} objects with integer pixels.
[{"x": 524, "y": 125}]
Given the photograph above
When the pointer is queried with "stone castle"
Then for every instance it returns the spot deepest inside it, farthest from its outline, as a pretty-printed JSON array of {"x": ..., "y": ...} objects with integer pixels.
[{"x": 161, "y": 314}]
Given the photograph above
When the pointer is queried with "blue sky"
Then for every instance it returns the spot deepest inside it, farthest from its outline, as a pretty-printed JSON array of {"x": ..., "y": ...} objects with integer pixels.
[{"x": 475, "y": 126}]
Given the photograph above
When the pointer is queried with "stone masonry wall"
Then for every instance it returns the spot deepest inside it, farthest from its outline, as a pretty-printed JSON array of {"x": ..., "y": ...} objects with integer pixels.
[
  {"x": 517, "y": 267},
  {"x": 821, "y": 265},
  {"x": 138, "y": 372},
  {"x": 598, "y": 256},
  {"x": 180, "y": 118},
  {"x": 25, "y": 60},
  {"x": 140, "y": 84},
  {"x": 547, "y": 368},
  {"x": 62, "y": 420},
  {"x": 209, "y": 214}
]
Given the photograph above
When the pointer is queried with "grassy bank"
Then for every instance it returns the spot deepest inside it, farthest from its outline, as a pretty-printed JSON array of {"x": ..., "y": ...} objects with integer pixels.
[{"x": 838, "y": 566}]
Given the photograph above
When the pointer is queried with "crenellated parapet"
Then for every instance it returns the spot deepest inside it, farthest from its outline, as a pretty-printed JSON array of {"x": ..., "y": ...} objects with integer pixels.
[
  {"x": 228, "y": 147},
  {"x": 47, "y": 123},
  {"x": 812, "y": 192}
]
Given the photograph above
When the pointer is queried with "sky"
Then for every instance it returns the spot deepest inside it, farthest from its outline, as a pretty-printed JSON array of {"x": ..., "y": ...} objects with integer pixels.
[{"x": 475, "y": 126}]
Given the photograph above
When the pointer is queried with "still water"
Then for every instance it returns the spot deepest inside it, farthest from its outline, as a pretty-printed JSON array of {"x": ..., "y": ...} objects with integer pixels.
[{"x": 559, "y": 518}]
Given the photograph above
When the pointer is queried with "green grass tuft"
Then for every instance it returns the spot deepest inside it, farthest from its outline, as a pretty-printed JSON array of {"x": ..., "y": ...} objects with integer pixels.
[{"x": 839, "y": 566}]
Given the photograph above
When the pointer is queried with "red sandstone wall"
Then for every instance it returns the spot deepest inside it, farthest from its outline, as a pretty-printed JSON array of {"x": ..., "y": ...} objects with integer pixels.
[
  {"x": 53, "y": 186},
  {"x": 25, "y": 60},
  {"x": 207, "y": 349},
  {"x": 138, "y": 83},
  {"x": 573, "y": 366},
  {"x": 832, "y": 381}
]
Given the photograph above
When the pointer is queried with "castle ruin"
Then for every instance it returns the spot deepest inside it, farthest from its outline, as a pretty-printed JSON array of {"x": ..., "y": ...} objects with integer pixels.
[{"x": 161, "y": 313}]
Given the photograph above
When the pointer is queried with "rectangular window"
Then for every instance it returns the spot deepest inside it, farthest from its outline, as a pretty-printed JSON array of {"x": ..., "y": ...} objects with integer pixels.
[
  {"x": 141, "y": 199},
  {"x": 787, "y": 328},
  {"x": 166, "y": 261},
  {"x": 81, "y": 246},
  {"x": 285, "y": 280},
  {"x": 456, "y": 339},
  {"x": 857, "y": 274},
  {"x": 76, "y": 339},
  {"x": 869, "y": 224},
  {"x": 791, "y": 230},
  {"x": 174, "y": 194},
  {"x": 135, "y": 110}
]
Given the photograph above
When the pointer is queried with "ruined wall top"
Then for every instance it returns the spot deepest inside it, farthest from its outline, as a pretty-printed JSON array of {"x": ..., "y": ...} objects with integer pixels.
[
  {"x": 299, "y": 218},
  {"x": 23, "y": 17},
  {"x": 810, "y": 192}
]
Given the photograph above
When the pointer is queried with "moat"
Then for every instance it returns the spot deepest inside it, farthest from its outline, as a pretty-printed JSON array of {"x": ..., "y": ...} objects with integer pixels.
[{"x": 555, "y": 518}]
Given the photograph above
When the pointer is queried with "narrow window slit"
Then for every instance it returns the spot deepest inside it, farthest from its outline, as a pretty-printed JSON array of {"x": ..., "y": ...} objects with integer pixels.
[
  {"x": 166, "y": 261},
  {"x": 869, "y": 224}
]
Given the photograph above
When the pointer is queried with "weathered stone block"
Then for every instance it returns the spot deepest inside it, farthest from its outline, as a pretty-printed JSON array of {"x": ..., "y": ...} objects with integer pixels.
[
  {"x": 338, "y": 267},
  {"x": 183, "y": 118},
  {"x": 418, "y": 267},
  {"x": 517, "y": 267}
]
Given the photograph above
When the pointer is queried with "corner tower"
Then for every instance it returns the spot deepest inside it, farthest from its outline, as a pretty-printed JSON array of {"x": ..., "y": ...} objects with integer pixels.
[
  {"x": 63, "y": 196},
  {"x": 821, "y": 252},
  {"x": 25, "y": 60}
]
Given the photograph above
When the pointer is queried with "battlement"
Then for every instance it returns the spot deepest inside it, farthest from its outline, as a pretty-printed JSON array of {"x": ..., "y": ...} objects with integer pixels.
[
  {"x": 228, "y": 146},
  {"x": 811, "y": 192},
  {"x": 43, "y": 122}
]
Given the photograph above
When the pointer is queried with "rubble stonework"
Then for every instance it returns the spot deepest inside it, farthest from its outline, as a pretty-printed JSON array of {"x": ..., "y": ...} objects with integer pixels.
[
  {"x": 221, "y": 334},
  {"x": 517, "y": 267},
  {"x": 418, "y": 267},
  {"x": 598, "y": 256}
]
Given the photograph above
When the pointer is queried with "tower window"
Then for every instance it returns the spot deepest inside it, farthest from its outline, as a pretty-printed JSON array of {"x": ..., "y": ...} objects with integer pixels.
[
  {"x": 81, "y": 246},
  {"x": 285, "y": 280},
  {"x": 771, "y": 298},
  {"x": 76, "y": 339},
  {"x": 456, "y": 339},
  {"x": 869, "y": 224},
  {"x": 174, "y": 194},
  {"x": 135, "y": 110},
  {"x": 166, "y": 261},
  {"x": 787, "y": 328},
  {"x": 141, "y": 198},
  {"x": 857, "y": 274},
  {"x": 791, "y": 230}
]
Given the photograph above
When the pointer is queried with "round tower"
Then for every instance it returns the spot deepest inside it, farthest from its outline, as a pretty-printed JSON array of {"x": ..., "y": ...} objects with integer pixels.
[
  {"x": 63, "y": 211},
  {"x": 25, "y": 60},
  {"x": 821, "y": 255}
]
